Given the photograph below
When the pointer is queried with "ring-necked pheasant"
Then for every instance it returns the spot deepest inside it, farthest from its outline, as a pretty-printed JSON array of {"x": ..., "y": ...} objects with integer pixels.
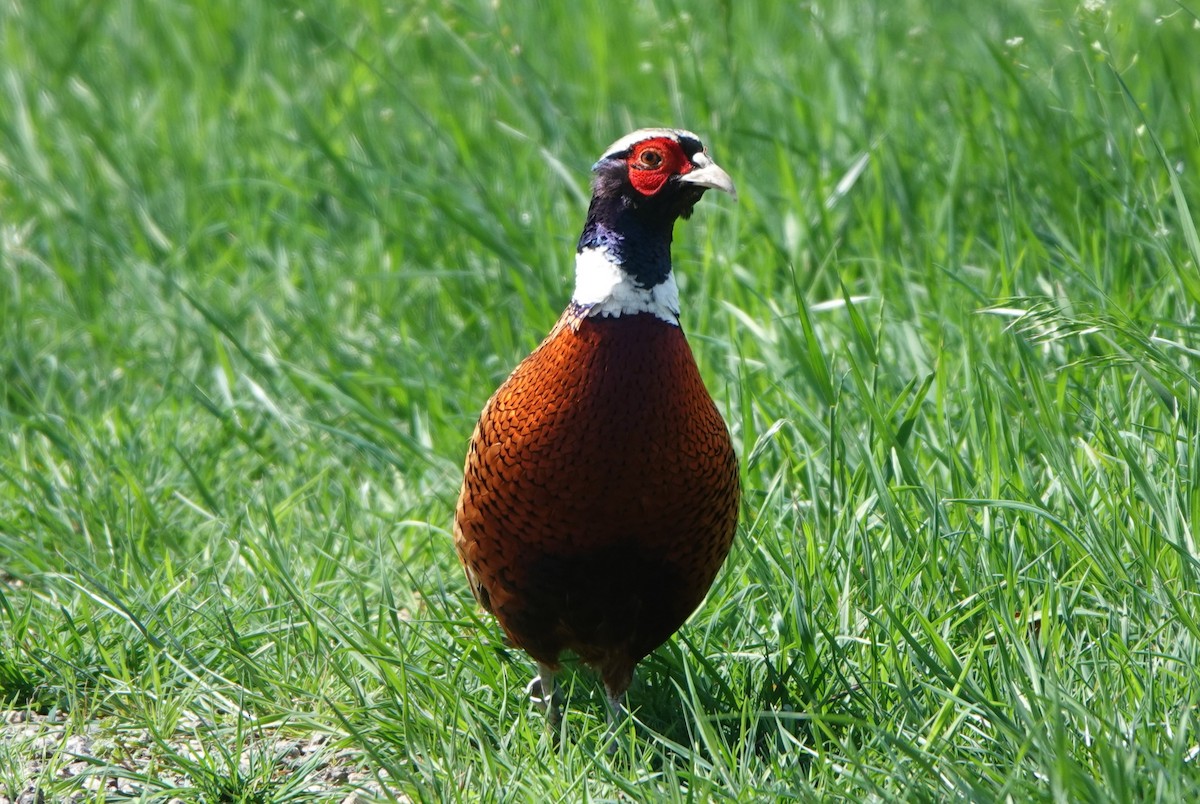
[{"x": 601, "y": 488}]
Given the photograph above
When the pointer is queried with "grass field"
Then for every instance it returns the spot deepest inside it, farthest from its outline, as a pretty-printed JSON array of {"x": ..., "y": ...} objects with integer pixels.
[{"x": 262, "y": 263}]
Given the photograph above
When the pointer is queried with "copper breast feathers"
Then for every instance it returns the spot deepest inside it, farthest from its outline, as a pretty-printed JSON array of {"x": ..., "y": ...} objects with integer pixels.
[{"x": 601, "y": 491}]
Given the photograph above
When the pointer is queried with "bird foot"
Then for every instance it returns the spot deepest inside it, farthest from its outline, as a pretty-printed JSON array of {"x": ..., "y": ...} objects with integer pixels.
[{"x": 612, "y": 740}]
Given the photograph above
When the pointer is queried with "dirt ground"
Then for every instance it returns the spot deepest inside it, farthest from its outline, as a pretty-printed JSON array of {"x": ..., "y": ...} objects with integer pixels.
[{"x": 42, "y": 759}]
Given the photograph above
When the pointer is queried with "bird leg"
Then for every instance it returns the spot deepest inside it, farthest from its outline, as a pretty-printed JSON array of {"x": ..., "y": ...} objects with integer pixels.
[
  {"x": 541, "y": 692},
  {"x": 616, "y": 713}
]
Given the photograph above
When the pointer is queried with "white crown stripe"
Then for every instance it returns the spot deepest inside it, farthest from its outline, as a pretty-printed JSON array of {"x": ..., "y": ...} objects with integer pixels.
[{"x": 632, "y": 139}]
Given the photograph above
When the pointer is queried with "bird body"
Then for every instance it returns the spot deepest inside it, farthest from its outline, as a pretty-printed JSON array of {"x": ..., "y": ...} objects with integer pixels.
[{"x": 601, "y": 489}]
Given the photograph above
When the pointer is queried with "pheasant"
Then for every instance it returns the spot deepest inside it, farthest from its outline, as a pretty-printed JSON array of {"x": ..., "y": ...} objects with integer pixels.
[{"x": 600, "y": 493}]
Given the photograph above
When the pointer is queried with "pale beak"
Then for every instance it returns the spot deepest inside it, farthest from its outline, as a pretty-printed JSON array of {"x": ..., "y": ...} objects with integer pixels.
[{"x": 708, "y": 173}]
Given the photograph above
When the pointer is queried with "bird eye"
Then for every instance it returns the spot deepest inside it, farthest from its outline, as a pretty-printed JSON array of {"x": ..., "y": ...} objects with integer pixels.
[{"x": 650, "y": 158}]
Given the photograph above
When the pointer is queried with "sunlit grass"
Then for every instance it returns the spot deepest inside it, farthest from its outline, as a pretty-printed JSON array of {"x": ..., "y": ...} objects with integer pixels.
[{"x": 261, "y": 265}]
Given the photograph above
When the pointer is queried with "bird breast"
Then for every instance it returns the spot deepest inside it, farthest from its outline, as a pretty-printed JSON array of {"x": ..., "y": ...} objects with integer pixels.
[{"x": 605, "y": 433}]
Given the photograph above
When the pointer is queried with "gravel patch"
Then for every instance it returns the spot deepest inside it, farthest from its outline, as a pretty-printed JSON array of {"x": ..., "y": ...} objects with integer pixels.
[{"x": 46, "y": 758}]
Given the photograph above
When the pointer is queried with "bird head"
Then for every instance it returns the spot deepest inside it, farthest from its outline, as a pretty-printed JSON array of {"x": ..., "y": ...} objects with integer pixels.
[
  {"x": 659, "y": 171},
  {"x": 643, "y": 183}
]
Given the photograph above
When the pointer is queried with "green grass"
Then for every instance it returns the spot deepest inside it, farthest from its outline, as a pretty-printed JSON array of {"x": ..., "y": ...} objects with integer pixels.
[{"x": 262, "y": 263}]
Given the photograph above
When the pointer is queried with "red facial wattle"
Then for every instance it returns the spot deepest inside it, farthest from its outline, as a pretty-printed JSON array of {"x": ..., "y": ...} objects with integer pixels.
[{"x": 653, "y": 162}]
